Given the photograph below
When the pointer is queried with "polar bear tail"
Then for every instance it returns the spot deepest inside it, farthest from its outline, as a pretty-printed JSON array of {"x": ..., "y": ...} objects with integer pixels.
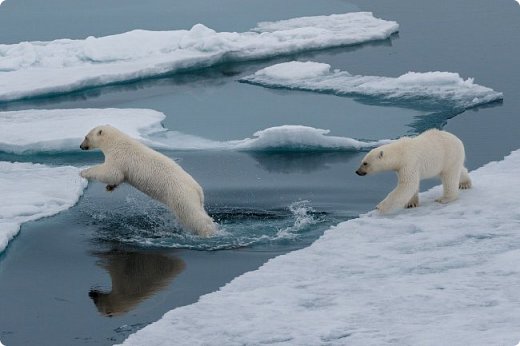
[{"x": 465, "y": 180}]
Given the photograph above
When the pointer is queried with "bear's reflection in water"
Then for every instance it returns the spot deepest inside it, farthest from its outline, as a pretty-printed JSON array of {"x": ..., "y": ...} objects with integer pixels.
[{"x": 135, "y": 276}]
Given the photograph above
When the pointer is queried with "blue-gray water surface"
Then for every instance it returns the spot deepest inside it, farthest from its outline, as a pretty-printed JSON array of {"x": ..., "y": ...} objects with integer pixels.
[{"x": 111, "y": 264}]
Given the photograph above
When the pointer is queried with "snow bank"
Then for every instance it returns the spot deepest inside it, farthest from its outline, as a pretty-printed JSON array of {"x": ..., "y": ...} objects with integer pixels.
[
  {"x": 31, "y": 191},
  {"x": 443, "y": 88},
  {"x": 30, "y": 69},
  {"x": 434, "y": 275},
  {"x": 31, "y": 131}
]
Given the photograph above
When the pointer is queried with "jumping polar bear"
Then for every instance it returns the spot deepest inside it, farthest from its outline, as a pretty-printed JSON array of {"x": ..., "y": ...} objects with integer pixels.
[
  {"x": 432, "y": 153},
  {"x": 128, "y": 160}
]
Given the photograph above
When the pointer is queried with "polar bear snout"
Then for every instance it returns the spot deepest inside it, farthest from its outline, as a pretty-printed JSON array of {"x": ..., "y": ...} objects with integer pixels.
[
  {"x": 84, "y": 145},
  {"x": 360, "y": 172}
]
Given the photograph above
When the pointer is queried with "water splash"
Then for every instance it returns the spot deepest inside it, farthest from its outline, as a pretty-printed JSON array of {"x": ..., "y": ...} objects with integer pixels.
[{"x": 152, "y": 225}]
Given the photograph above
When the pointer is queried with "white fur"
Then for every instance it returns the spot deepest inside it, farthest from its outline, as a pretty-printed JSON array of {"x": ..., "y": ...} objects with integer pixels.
[
  {"x": 432, "y": 153},
  {"x": 127, "y": 160}
]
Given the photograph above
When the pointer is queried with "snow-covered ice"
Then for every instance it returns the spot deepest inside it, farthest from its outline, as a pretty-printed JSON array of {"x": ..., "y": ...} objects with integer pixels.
[
  {"x": 31, "y": 69},
  {"x": 433, "y": 275},
  {"x": 442, "y": 88},
  {"x": 64, "y": 129},
  {"x": 297, "y": 137},
  {"x": 31, "y": 131},
  {"x": 32, "y": 191}
]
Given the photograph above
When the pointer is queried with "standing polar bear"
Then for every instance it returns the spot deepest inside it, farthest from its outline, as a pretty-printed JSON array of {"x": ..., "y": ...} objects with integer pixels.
[
  {"x": 432, "y": 153},
  {"x": 128, "y": 160}
]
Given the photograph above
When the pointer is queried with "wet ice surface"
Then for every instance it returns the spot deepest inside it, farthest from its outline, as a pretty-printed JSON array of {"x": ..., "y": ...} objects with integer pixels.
[{"x": 379, "y": 280}]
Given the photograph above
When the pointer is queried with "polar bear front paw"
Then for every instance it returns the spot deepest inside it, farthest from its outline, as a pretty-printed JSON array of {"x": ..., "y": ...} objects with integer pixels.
[
  {"x": 413, "y": 202},
  {"x": 84, "y": 173},
  {"x": 383, "y": 208},
  {"x": 465, "y": 185},
  {"x": 412, "y": 205}
]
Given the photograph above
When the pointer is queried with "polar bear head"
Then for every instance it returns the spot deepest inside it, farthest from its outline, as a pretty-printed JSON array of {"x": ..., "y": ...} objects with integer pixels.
[
  {"x": 98, "y": 137},
  {"x": 384, "y": 158}
]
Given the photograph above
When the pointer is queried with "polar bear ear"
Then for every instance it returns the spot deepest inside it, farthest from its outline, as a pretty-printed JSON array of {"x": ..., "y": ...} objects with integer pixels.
[{"x": 381, "y": 154}]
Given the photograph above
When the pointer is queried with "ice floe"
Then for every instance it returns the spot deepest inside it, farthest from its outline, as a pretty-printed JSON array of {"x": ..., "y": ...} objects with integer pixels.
[
  {"x": 437, "y": 274},
  {"x": 32, "y": 191},
  {"x": 31, "y": 69},
  {"x": 300, "y": 138},
  {"x": 62, "y": 130},
  {"x": 441, "y": 88}
]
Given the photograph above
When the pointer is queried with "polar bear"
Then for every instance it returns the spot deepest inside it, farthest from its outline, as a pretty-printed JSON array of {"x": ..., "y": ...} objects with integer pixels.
[
  {"x": 128, "y": 160},
  {"x": 432, "y": 153}
]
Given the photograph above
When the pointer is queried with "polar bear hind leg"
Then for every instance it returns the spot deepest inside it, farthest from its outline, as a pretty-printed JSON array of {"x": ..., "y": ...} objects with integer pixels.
[
  {"x": 465, "y": 180},
  {"x": 450, "y": 185},
  {"x": 191, "y": 214},
  {"x": 414, "y": 201},
  {"x": 203, "y": 225},
  {"x": 198, "y": 221}
]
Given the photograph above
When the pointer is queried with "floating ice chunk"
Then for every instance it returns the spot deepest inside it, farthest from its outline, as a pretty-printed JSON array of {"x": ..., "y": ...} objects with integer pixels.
[
  {"x": 445, "y": 88},
  {"x": 64, "y": 129},
  {"x": 294, "y": 70},
  {"x": 300, "y": 138},
  {"x": 378, "y": 280},
  {"x": 32, "y": 191},
  {"x": 32, "y": 131},
  {"x": 39, "y": 68}
]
